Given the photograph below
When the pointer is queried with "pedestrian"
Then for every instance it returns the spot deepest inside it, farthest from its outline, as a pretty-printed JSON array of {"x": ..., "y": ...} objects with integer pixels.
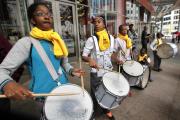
[
  {"x": 5, "y": 47},
  {"x": 154, "y": 45},
  {"x": 100, "y": 47},
  {"x": 173, "y": 37},
  {"x": 144, "y": 60},
  {"x": 133, "y": 36},
  {"x": 24, "y": 51},
  {"x": 132, "y": 33},
  {"x": 144, "y": 38}
]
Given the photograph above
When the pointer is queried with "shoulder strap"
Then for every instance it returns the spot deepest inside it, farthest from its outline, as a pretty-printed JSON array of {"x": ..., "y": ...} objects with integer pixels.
[
  {"x": 112, "y": 41},
  {"x": 45, "y": 59},
  {"x": 96, "y": 43}
]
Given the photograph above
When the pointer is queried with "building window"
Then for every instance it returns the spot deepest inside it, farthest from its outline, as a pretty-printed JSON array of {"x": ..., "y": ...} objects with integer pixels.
[
  {"x": 175, "y": 22},
  {"x": 176, "y": 27},
  {"x": 176, "y": 12},
  {"x": 176, "y": 17}
]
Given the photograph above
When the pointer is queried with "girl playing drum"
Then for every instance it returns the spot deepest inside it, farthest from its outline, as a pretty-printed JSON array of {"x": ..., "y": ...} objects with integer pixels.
[{"x": 100, "y": 46}]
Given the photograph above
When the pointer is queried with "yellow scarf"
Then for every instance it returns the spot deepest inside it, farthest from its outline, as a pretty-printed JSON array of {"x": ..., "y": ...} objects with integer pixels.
[
  {"x": 126, "y": 39},
  {"x": 60, "y": 48},
  {"x": 104, "y": 42},
  {"x": 159, "y": 42},
  {"x": 142, "y": 58}
]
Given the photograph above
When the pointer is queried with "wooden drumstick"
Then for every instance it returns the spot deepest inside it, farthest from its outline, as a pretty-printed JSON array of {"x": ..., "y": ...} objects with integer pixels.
[
  {"x": 47, "y": 94},
  {"x": 82, "y": 80},
  {"x": 119, "y": 68}
]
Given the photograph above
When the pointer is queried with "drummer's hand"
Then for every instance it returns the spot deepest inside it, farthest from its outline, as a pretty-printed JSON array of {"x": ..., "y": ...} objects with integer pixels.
[
  {"x": 78, "y": 72},
  {"x": 120, "y": 62},
  {"x": 93, "y": 64},
  {"x": 16, "y": 91}
]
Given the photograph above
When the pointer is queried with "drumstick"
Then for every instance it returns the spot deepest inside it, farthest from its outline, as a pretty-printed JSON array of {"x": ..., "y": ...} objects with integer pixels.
[
  {"x": 82, "y": 80},
  {"x": 119, "y": 68},
  {"x": 132, "y": 54},
  {"x": 47, "y": 94}
]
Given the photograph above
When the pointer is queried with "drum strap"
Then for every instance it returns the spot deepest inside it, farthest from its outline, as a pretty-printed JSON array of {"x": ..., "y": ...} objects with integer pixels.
[{"x": 45, "y": 59}]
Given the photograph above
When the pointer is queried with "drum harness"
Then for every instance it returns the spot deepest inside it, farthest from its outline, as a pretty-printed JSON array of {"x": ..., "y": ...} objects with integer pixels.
[
  {"x": 103, "y": 54},
  {"x": 46, "y": 61}
]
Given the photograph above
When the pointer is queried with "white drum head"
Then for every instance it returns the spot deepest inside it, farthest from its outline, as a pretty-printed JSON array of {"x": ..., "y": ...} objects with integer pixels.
[
  {"x": 116, "y": 83},
  {"x": 133, "y": 68},
  {"x": 72, "y": 107}
]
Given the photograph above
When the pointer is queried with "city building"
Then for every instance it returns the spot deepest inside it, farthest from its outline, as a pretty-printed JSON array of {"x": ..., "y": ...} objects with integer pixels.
[
  {"x": 138, "y": 12},
  {"x": 170, "y": 22}
]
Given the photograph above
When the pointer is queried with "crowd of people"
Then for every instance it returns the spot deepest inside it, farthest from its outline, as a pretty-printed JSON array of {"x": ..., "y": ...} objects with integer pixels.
[{"x": 99, "y": 51}]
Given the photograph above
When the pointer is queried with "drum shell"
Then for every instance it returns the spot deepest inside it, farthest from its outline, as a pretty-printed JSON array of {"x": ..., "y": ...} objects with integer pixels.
[
  {"x": 132, "y": 72},
  {"x": 144, "y": 78},
  {"x": 133, "y": 80},
  {"x": 112, "y": 90},
  {"x": 106, "y": 99}
]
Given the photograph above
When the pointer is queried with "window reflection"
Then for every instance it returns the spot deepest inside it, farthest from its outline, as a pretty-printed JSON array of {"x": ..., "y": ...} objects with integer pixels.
[
  {"x": 109, "y": 5},
  {"x": 67, "y": 27},
  {"x": 111, "y": 23},
  {"x": 85, "y": 2},
  {"x": 11, "y": 16}
]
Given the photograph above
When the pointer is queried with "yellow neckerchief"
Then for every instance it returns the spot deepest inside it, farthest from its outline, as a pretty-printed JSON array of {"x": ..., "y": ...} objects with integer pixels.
[
  {"x": 126, "y": 39},
  {"x": 58, "y": 44},
  {"x": 104, "y": 42},
  {"x": 142, "y": 58},
  {"x": 159, "y": 41}
]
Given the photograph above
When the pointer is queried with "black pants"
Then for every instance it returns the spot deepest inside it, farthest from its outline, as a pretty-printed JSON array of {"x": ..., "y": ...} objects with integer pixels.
[
  {"x": 4, "y": 106},
  {"x": 7, "y": 114},
  {"x": 144, "y": 45},
  {"x": 95, "y": 81},
  {"x": 157, "y": 60}
]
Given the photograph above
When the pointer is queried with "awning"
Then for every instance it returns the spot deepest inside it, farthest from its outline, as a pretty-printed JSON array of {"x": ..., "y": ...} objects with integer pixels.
[{"x": 147, "y": 5}]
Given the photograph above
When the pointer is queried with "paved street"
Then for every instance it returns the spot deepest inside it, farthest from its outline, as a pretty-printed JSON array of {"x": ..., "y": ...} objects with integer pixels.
[{"x": 159, "y": 101}]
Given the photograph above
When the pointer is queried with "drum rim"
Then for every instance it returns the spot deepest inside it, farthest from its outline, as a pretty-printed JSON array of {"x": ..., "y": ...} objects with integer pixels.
[
  {"x": 147, "y": 68},
  {"x": 127, "y": 73},
  {"x": 65, "y": 85}
]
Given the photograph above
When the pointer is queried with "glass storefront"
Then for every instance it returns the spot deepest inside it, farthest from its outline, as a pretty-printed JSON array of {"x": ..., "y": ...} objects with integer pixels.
[
  {"x": 71, "y": 19},
  {"x": 13, "y": 19}
]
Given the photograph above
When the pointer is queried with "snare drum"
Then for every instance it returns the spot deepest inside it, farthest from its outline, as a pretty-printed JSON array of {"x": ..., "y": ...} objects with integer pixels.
[
  {"x": 144, "y": 78},
  {"x": 167, "y": 50},
  {"x": 132, "y": 70},
  {"x": 71, "y": 107},
  {"x": 112, "y": 91}
]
